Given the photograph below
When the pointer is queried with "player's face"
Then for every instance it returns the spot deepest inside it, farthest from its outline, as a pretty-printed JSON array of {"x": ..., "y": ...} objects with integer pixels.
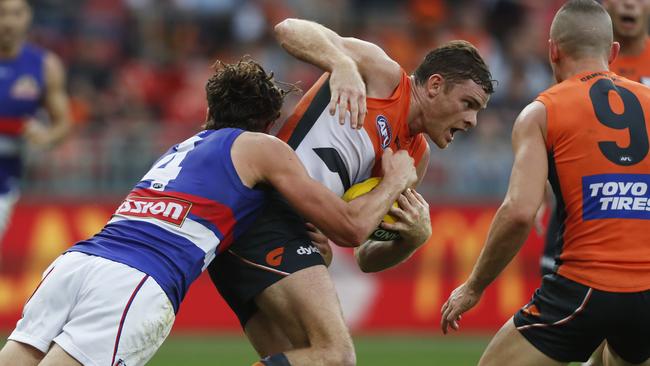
[
  {"x": 15, "y": 17},
  {"x": 629, "y": 17},
  {"x": 453, "y": 110}
]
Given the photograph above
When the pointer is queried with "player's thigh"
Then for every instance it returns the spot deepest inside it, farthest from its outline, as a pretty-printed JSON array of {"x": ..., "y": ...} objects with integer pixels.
[
  {"x": 56, "y": 356},
  {"x": 122, "y": 316},
  {"x": 16, "y": 353},
  {"x": 509, "y": 347},
  {"x": 307, "y": 308},
  {"x": 48, "y": 308},
  {"x": 266, "y": 336},
  {"x": 611, "y": 358},
  {"x": 274, "y": 247}
]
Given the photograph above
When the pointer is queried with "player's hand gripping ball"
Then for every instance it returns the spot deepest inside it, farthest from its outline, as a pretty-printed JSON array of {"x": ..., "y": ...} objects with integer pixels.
[{"x": 379, "y": 234}]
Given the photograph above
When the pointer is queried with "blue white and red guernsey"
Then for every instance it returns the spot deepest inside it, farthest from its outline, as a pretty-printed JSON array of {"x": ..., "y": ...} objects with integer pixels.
[
  {"x": 189, "y": 207},
  {"x": 21, "y": 92}
]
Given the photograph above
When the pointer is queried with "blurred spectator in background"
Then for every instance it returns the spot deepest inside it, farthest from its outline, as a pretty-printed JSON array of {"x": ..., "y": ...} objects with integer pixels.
[
  {"x": 630, "y": 19},
  {"x": 30, "y": 79},
  {"x": 135, "y": 65}
]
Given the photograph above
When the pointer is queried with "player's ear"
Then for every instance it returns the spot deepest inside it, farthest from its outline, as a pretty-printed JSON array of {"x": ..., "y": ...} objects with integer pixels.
[
  {"x": 613, "y": 52},
  {"x": 553, "y": 51},
  {"x": 434, "y": 85}
]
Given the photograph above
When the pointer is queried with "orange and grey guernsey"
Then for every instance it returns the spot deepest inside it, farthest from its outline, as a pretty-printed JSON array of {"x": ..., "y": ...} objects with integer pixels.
[
  {"x": 339, "y": 156},
  {"x": 635, "y": 68},
  {"x": 597, "y": 144}
]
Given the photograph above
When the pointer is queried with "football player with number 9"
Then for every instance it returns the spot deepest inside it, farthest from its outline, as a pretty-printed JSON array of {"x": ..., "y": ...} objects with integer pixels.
[{"x": 588, "y": 136}]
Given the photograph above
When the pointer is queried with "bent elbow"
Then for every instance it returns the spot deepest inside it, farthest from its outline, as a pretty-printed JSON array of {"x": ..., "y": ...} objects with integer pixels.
[
  {"x": 282, "y": 29},
  {"x": 518, "y": 215}
]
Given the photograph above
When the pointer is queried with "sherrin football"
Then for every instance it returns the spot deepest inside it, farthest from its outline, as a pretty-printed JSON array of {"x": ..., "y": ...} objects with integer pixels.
[{"x": 362, "y": 188}]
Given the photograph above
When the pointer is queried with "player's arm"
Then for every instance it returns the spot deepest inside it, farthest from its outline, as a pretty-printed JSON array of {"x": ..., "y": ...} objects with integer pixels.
[
  {"x": 56, "y": 104},
  {"x": 514, "y": 219},
  {"x": 413, "y": 224},
  {"x": 351, "y": 62},
  {"x": 348, "y": 224}
]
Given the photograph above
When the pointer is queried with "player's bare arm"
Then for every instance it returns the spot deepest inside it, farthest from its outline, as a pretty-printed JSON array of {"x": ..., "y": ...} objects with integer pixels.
[
  {"x": 348, "y": 224},
  {"x": 56, "y": 105},
  {"x": 515, "y": 217},
  {"x": 413, "y": 223},
  {"x": 358, "y": 68}
]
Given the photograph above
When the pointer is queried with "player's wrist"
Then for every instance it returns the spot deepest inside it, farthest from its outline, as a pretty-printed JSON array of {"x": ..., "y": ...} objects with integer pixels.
[
  {"x": 342, "y": 62},
  {"x": 475, "y": 286},
  {"x": 412, "y": 240}
]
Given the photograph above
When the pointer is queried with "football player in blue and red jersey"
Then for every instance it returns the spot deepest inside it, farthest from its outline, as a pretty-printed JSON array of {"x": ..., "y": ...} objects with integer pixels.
[
  {"x": 30, "y": 79},
  {"x": 112, "y": 299}
]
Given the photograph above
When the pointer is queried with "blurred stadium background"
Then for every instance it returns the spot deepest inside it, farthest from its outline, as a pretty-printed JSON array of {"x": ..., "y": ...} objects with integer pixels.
[{"x": 136, "y": 73}]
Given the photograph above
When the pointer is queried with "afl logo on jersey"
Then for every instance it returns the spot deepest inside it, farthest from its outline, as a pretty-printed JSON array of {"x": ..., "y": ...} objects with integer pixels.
[
  {"x": 25, "y": 88},
  {"x": 384, "y": 131}
]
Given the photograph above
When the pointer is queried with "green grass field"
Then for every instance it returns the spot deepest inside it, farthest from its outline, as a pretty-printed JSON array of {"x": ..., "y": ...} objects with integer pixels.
[{"x": 371, "y": 351}]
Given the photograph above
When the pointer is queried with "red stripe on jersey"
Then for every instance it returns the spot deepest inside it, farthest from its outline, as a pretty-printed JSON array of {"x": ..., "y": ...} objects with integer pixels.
[
  {"x": 12, "y": 126},
  {"x": 214, "y": 212}
]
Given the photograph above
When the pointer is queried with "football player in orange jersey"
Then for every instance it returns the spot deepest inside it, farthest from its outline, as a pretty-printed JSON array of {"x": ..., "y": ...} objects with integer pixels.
[
  {"x": 588, "y": 135},
  {"x": 268, "y": 280},
  {"x": 631, "y": 19}
]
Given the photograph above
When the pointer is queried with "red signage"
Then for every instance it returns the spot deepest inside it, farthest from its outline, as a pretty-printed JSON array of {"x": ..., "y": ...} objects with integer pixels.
[
  {"x": 407, "y": 297},
  {"x": 168, "y": 209}
]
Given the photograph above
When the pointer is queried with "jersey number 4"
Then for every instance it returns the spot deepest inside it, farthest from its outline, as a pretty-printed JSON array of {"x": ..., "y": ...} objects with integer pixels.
[
  {"x": 169, "y": 166},
  {"x": 631, "y": 119}
]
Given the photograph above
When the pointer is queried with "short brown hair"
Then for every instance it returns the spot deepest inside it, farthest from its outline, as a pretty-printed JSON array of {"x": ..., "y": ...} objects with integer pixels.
[
  {"x": 583, "y": 28},
  {"x": 456, "y": 61},
  {"x": 242, "y": 95}
]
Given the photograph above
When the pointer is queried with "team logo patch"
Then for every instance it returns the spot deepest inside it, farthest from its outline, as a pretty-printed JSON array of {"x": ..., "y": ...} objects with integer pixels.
[
  {"x": 25, "y": 88},
  {"x": 531, "y": 310},
  {"x": 274, "y": 257},
  {"x": 616, "y": 196},
  {"x": 384, "y": 131},
  {"x": 168, "y": 209}
]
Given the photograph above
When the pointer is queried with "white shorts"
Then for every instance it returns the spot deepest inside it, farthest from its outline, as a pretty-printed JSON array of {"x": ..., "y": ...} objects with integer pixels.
[{"x": 100, "y": 312}]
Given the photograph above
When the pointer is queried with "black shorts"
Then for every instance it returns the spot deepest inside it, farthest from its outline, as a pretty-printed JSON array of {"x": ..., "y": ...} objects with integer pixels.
[
  {"x": 567, "y": 321},
  {"x": 551, "y": 245},
  {"x": 275, "y": 246}
]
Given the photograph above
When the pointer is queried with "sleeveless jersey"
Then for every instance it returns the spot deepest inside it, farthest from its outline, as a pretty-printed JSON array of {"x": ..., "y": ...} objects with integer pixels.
[
  {"x": 597, "y": 142},
  {"x": 339, "y": 156},
  {"x": 21, "y": 92},
  {"x": 636, "y": 68},
  {"x": 190, "y": 206}
]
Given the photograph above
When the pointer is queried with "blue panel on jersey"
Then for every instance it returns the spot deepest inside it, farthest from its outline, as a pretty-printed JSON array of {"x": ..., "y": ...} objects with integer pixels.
[
  {"x": 616, "y": 196},
  {"x": 173, "y": 261},
  {"x": 208, "y": 171}
]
